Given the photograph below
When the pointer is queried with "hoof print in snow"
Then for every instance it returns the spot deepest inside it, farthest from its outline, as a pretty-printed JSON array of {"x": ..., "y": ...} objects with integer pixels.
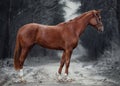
[{"x": 40, "y": 81}]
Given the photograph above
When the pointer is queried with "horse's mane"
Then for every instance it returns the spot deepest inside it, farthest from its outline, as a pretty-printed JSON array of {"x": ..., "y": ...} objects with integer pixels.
[{"x": 76, "y": 18}]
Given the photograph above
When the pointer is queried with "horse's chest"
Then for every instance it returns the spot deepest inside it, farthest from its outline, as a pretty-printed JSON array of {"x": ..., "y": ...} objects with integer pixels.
[{"x": 72, "y": 43}]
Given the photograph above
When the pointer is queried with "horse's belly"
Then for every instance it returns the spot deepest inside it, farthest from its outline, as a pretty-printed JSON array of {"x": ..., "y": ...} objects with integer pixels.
[
  {"x": 50, "y": 38},
  {"x": 51, "y": 44}
]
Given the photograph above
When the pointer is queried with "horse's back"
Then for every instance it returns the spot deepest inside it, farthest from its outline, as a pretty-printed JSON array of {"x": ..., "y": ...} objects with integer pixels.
[
  {"x": 50, "y": 37},
  {"x": 44, "y": 35}
]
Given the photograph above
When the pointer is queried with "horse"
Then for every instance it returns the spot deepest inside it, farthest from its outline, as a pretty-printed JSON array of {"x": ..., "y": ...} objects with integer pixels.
[{"x": 63, "y": 36}]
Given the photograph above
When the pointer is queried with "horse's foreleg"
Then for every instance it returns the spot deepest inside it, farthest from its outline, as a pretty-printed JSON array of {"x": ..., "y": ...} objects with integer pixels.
[
  {"x": 62, "y": 63},
  {"x": 61, "y": 66},
  {"x": 67, "y": 60}
]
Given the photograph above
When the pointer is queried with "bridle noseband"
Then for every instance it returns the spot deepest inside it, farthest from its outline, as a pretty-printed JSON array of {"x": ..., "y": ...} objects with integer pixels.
[{"x": 98, "y": 21}]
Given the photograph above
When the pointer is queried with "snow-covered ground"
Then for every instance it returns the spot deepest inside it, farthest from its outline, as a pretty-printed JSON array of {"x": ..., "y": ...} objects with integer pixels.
[{"x": 82, "y": 73}]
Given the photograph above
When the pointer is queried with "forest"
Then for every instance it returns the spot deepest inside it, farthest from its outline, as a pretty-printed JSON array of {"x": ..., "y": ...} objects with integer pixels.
[{"x": 103, "y": 48}]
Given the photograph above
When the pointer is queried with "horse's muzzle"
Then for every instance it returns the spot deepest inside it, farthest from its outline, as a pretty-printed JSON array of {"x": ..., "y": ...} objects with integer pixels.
[{"x": 101, "y": 29}]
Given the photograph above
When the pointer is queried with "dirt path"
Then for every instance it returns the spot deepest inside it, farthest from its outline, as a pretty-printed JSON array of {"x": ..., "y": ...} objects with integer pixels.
[{"x": 45, "y": 75}]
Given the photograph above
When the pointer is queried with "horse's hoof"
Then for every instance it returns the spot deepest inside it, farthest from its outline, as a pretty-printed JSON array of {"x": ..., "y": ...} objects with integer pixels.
[
  {"x": 67, "y": 78},
  {"x": 22, "y": 79},
  {"x": 59, "y": 77}
]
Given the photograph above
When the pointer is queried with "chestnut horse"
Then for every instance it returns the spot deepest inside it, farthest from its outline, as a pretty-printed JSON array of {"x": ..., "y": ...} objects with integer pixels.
[{"x": 63, "y": 36}]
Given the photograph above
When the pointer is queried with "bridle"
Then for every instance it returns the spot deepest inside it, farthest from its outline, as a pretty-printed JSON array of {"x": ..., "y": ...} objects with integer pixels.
[
  {"x": 97, "y": 17},
  {"x": 98, "y": 20}
]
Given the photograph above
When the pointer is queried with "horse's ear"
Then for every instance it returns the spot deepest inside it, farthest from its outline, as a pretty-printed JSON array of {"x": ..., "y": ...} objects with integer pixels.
[
  {"x": 99, "y": 11},
  {"x": 94, "y": 12}
]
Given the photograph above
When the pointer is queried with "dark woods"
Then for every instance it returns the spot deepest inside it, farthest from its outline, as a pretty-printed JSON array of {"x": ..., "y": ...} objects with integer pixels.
[{"x": 15, "y": 13}]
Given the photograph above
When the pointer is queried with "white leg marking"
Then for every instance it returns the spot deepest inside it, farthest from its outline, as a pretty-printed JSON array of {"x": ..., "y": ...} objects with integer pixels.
[
  {"x": 67, "y": 78},
  {"x": 66, "y": 75},
  {"x": 21, "y": 75},
  {"x": 21, "y": 72}
]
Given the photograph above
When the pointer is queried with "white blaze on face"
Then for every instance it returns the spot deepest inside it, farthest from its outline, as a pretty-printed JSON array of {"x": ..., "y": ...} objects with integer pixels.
[{"x": 70, "y": 8}]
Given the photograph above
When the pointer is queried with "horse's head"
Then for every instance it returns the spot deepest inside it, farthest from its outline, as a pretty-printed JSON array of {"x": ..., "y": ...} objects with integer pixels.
[{"x": 95, "y": 21}]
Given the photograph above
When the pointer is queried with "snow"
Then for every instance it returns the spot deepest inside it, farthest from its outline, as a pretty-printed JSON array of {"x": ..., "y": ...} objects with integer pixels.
[{"x": 46, "y": 74}]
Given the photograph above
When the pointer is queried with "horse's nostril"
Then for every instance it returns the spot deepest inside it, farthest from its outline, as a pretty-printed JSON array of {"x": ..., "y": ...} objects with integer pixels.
[{"x": 102, "y": 29}]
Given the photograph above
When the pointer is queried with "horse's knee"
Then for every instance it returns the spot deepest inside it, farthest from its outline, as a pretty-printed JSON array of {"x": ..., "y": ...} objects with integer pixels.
[
  {"x": 67, "y": 63},
  {"x": 62, "y": 63},
  {"x": 21, "y": 63},
  {"x": 21, "y": 59}
]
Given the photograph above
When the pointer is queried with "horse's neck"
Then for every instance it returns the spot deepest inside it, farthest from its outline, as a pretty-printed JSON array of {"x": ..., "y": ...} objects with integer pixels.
[{"x": 82, "y": 24}]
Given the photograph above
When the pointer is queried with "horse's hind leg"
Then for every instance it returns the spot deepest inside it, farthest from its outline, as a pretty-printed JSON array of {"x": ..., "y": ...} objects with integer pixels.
[{"x": 22, "y": 58}]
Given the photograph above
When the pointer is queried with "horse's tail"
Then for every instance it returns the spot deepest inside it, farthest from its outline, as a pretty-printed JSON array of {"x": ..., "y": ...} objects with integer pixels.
[{"x": 17, "y": 52}]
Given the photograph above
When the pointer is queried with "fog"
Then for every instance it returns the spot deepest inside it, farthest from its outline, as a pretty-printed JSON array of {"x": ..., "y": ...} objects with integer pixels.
[{"x": 97, "y": 54}]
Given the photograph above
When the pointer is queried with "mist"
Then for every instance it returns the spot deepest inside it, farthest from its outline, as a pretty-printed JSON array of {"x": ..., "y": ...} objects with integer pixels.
[{"x": 97, "y": 54}]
